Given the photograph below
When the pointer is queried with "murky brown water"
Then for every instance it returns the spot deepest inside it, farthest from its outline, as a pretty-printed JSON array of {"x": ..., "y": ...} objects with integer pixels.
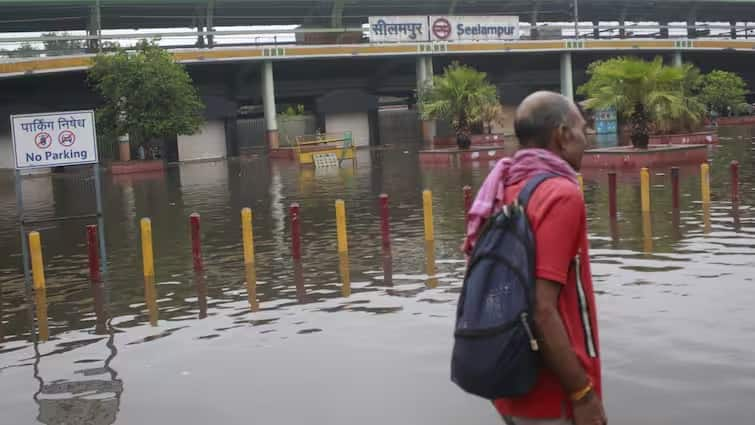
[{"x": 676, "y": 297}]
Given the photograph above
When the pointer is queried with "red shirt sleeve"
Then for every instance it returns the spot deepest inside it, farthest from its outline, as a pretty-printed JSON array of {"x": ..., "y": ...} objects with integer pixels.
[{"x": 557, "y": 214}]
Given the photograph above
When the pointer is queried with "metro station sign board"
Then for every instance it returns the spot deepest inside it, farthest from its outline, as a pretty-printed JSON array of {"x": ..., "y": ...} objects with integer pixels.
[
  {"x": 404, "y": 29},
  {"x": 54, "y": 139}
]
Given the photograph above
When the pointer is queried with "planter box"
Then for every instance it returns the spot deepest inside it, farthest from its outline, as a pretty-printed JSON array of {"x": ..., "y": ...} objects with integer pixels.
[
  {"x": 653, "y": 157},
  {"x": 455, "y": 157},
  {"x": 700, "y": 138},
  {"x": 746, "y": 120},
  {"x": 477, "y": 140},
  {"x": 134, "y": 167}
]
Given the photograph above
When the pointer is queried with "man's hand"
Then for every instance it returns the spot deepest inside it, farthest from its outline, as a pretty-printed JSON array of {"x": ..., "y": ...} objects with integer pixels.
[{"x": 589, "y": 411}]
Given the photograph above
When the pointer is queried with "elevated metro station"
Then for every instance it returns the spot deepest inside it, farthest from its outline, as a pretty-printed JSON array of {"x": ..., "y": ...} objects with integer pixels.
[
  {"x": 69, "y": 15},
  {"x": 246, "y": 86}
]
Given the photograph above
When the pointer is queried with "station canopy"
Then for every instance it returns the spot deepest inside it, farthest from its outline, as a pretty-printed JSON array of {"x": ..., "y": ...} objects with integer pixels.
[{"x": 70, "y": 15}]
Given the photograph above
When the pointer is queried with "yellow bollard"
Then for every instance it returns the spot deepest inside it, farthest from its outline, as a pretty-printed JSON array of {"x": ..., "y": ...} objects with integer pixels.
[
  {"x": 645, "y": 189},
  {"x": 705, "y": 182},
  {"x": 427, "y": 203},
  {"x": 581, "y": 182},
  {"x": 343, "y": 242},
  {"x": 37, "y": 264},
  {"x": 147, "y": 256},
  {"x": 247, "y": 234}
]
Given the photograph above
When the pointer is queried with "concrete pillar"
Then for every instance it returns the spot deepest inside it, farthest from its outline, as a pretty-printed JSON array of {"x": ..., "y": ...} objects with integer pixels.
[
  {"x": 268, "y": 101},
  {"x": 534, "y": 33},
  {"x": 596, "y": 29},
  {"x": 664, "y": 28},
  {"x": 210, "y": 26},
  {"x": 429, "y": 70},
  {"x": 622, "y": 28},
  {"x": 425, "y": 79},
  {"x": 421, "y": 73},
  {"x": 691, "y": 30},
  {"x": 677, "y": 58},
  {"x": 567, "y": 83},
  {"x": 94, "y": 27},
  {"x": 733, "y": 29}
]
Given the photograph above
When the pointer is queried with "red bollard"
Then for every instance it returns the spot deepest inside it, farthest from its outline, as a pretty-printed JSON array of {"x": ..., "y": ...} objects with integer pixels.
[
  {"x": 94, "y": 253},
  {"x": 467, "y": 202},
  {"x": 196, "y": 242},
  {"x": 295, "y": 232},
  {"x": 385, "y": 225},
  {"x": 612, "y": 209},
  {"x": 734, "y": 167},
  {"x": 675, "y": 187}
]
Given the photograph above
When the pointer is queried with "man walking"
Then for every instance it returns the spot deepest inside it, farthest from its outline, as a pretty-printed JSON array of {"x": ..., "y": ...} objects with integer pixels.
[{"x": 551, "y": 132}]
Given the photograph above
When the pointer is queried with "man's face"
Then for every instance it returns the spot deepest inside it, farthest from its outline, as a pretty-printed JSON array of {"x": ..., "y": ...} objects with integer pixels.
[{"x": 573, "y": 139}]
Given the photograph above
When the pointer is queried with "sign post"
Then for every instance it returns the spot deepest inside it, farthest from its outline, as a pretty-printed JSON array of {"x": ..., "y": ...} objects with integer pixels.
[{"x": 57, "y": 139}]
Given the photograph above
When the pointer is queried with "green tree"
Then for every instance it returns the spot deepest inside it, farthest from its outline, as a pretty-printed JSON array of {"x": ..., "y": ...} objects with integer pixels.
[
  {"x": 25, "y": 50},
  {"x": 57, "y": 46},
  {"x": 647, "y": 94},
  {"x": 146, "y": 94},
  {"x": 460, "y": 95},
  {"x": 723, "y": 91}
]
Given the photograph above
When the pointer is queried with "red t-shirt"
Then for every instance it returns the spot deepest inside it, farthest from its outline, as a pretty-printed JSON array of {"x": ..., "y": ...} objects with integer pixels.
[{"x": 558, "y": 220}]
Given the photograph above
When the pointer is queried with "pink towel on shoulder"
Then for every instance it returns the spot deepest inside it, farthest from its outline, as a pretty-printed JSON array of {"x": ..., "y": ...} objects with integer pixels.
[{"x": 526, "y": 163}]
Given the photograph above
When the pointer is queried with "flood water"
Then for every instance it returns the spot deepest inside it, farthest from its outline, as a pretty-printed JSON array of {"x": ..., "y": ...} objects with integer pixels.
[{"x": 364, "y": 339}]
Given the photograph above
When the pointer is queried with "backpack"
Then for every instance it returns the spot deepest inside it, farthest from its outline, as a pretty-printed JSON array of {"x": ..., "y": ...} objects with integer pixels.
[{"x": 495, "y": 353}]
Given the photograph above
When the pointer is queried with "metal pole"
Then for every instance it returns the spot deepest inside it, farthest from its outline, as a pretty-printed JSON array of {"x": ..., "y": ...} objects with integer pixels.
[
  {"x": 576, "y": 18},
  {"x": 24, "y": 243},
  {"x": 100, "y": 220}
]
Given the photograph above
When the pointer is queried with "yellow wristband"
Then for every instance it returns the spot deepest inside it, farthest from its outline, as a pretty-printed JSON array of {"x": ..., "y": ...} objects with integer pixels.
[{"x": 579, "y": 395}]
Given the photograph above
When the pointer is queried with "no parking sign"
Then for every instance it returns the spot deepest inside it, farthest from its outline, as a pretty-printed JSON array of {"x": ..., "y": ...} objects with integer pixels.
[{"x": 54, "y": 139}]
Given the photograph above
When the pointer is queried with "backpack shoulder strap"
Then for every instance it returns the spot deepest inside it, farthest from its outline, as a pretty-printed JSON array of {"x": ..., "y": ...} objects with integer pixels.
[{"x": 526, "y": 193}]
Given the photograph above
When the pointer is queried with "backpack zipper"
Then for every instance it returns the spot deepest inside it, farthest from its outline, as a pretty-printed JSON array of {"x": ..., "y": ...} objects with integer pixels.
[{"x": 533, "y": 342}]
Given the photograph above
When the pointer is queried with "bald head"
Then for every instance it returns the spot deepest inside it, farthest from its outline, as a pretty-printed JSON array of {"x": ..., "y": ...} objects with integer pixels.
[{"x": 540, "y": 114}]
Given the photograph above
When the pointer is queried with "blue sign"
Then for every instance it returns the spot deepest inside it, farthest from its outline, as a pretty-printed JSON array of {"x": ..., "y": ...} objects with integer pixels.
[{"x": 605, "y": 121}]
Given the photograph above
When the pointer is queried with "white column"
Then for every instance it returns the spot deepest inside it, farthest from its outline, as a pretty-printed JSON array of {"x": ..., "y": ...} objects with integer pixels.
[
  {"x": 425, "y": 79},
  {"x": 429, "y": 70},
  {"x": 268, "y": 101},
  {"x": 421, "y": 72},
  {"x": 567, "y": 84},
  {"x": 677, "y": 58}
]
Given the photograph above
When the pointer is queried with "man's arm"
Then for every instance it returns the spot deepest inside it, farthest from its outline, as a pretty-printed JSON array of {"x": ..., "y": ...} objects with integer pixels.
[
  {"x": 555, "y": 346},
  {"x": 558, "y": 355}
]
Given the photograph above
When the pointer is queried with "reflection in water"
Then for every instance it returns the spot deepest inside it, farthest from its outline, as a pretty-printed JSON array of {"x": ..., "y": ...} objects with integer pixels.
[
  {"x": 614, "y": 229},
  {"x": 676, "y": 227},
  {"x": 301, "y": 291},
  {"x": 734, "y": 216},
  {"x": 432, "y": 279},
  {"x": 98, "y": 292},
  {"x": 93, "y": 401},
  {"x": 40, "y": 299},
  {"x": 201, "y": 285},
  {"x": 647, "y": 233},
  {"x": 343, "y": 269},
  {"x": 706, "y": 218},
  {"x": 387, "y": 267},
  {"x": 150, "y": 298},
  {"x": 250, "y": 273}
]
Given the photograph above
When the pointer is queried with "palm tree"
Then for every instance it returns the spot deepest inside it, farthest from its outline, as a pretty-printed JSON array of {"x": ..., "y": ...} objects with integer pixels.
[
  {"x": 460, "y": 95},
  {"x": 650, "y": 95}
]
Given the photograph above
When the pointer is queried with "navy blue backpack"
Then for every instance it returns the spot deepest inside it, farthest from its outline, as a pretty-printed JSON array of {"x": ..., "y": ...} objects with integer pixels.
[{"x": 495, "y": 352}]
